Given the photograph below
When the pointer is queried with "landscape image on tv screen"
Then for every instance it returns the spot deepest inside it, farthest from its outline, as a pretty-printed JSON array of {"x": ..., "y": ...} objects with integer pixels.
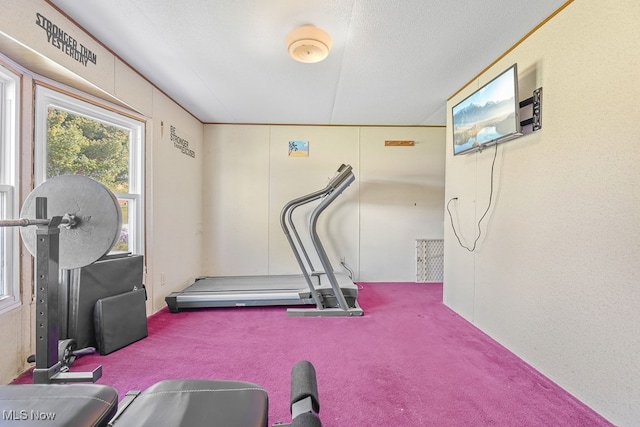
[{"x": 489, "y": 115}]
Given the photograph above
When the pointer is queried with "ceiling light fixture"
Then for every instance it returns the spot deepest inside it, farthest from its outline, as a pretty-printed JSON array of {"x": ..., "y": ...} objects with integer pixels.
[{"x": 308, "y": 44}]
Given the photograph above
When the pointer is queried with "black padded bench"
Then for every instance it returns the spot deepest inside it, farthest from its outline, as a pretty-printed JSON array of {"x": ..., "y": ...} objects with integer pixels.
[
  {"x": 191, "y": 403},
  {"x": 77, "y": 405},
  {"x": 195, "y": 403}
]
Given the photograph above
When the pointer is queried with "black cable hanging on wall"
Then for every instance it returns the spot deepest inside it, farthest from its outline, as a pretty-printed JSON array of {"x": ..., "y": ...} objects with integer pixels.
[{"x": 475, "y": 242}]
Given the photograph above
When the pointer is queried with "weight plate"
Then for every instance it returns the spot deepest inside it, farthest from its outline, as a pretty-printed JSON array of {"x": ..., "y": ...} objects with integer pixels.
[{"x": 97, "y": 212}]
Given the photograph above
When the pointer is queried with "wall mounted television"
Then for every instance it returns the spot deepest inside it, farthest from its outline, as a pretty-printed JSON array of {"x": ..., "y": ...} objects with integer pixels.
[{"x": 489, "y": 115}]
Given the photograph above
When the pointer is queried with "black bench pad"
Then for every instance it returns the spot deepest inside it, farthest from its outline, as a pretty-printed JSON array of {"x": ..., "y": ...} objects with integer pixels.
[
  {"x": 52, "y": 405},
  {"x": 198, "y": 403}
]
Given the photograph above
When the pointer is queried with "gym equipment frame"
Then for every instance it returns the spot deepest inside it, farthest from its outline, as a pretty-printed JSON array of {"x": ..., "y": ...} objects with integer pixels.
[
  {"x": 88, "y": 217},
  {"x": 332, "y": 293}
]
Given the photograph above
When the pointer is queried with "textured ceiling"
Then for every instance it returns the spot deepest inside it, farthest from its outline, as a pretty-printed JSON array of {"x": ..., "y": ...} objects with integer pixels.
[{"x": 393, "y": 62}]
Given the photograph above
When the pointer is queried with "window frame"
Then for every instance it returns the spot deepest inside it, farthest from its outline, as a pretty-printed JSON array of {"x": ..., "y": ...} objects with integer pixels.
[
  {"x": 9, "y": 131},
  {"x": 46, "y": 97}
]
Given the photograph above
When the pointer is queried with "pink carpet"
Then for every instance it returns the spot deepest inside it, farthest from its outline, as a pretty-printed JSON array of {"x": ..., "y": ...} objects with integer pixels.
[{"x": 409, "y": 361}]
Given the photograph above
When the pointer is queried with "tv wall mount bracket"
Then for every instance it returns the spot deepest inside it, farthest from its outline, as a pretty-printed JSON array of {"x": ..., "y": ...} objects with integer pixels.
[{"x": 534, "y": 122}]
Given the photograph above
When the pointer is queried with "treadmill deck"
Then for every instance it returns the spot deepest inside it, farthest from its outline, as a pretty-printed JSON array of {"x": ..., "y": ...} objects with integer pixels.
[{"x": 244, "y": 291}]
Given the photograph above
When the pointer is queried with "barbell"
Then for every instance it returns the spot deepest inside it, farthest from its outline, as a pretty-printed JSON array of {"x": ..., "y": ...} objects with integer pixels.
[{"x": 88, "y": 212}]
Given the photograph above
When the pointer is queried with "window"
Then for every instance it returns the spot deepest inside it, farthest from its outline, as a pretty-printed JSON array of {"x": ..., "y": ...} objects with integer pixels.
[
  {"x": 9, "y": 284},
  {"x": 76, "y": 137}
]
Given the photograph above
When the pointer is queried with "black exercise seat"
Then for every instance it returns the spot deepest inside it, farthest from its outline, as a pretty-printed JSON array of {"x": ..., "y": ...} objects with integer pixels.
[
  {"x": 196, "y": 403},
  {"x": 175, "y": 403},
  {"x": 54, "y": 405}
]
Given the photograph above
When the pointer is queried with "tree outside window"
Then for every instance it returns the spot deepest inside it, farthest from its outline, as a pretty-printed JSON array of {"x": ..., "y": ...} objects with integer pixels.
[
  {"x": 80, "y": 138},
  {"x": 83, "y": 146}
]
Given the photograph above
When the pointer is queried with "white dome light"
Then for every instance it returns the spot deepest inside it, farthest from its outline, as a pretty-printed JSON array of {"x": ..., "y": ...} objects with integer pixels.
[{"x": 308, "y": 44}]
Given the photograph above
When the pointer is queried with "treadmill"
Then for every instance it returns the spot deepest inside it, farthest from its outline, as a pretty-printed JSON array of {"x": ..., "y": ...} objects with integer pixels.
[{"x": 332, "y": 293}]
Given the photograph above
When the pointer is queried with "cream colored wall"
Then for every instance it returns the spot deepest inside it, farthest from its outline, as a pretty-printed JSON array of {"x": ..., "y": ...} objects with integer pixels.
[
  {"x": 555, "y": 275},
  {"x": 249, "y": 177},
  {"x": 18, "y": 20},
  {"x": 401, "y": 196},
  {"x": 16, "y": 347},
  {"x": 173, "y": 181},
  {"x": 24, "y": 41},
  {"x": 174, "y": 200},
  {"x": 292, "y": 177},
  {"x": 236, "y": 200}
]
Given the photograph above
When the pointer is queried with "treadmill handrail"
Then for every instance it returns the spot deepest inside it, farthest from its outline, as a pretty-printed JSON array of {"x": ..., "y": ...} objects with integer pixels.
[
  {"x": 317, "y": 243},
  {"x": 286, "y": 217},
  {"x": 292, "y": 227},
  {"x": 287, "y": 211},
  {"x": 343, "y": 173}
]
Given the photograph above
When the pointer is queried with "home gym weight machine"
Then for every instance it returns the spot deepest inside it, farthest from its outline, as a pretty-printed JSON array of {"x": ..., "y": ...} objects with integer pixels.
[{"x": 88, "y": 217}]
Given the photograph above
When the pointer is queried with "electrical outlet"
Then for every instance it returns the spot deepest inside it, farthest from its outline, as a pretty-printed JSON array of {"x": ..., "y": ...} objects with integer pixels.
[{"x": 163, "y": 279}]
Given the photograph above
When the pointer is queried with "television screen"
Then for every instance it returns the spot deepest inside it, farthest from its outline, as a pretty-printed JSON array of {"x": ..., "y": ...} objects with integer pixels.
[{"x": 489, "y": 115}]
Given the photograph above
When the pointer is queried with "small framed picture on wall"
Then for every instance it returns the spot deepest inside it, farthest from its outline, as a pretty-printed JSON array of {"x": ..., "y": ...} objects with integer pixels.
[{"x": 298, "y": 148}]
